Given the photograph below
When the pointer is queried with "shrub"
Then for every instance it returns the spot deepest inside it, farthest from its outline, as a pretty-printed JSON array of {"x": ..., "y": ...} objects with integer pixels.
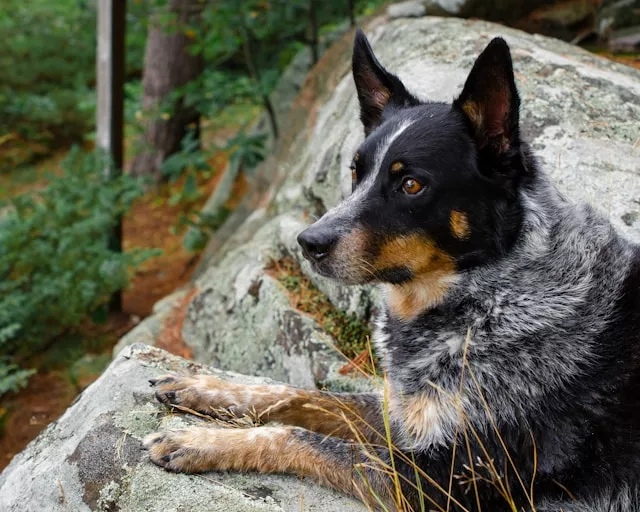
[
  {"x": 46, "y": 63},
  {"x": 55, "y": 264}
]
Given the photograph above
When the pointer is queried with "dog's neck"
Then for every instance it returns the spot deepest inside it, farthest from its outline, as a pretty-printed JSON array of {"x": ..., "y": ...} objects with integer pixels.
[
  {"x": 535, "y": 313},
  {"x": 561, "y": 253}
]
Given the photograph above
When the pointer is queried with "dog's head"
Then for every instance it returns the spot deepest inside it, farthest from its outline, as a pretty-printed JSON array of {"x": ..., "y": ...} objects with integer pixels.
[{"x": 434, "y": 184}]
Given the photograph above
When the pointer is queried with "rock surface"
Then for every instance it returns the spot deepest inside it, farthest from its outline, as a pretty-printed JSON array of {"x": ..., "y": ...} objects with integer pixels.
[
  {"x": 91, "y": 458},
  {"x": 410, "y": 9},
  {"x": 496, "y": 10},
  {"x": 580, "y": 113}
]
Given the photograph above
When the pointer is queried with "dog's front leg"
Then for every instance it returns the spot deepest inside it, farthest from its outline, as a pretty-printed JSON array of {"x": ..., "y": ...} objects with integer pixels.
[
  {"x": 333, "y": 462},
  {"x": 348, "y": 415}
]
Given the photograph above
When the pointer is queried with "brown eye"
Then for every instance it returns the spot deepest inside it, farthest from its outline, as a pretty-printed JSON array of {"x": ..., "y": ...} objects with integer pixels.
[{"x": 411, "y": 186}]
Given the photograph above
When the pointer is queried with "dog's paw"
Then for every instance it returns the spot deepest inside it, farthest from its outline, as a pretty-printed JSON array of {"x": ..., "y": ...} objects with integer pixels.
[
  {"x": 202, "y": 393},
  {"x": 190, "y": 450}
]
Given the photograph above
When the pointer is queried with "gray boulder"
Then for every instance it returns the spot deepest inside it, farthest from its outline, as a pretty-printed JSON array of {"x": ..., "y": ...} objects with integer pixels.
[
  {"x": 410, "y": 9},
  {"x": 92, "y": 457},
  {"x": 580, "y": 113}
]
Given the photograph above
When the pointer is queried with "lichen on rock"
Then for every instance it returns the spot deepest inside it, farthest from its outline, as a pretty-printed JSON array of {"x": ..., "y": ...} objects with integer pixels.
[{"x": 92, "y": 457}]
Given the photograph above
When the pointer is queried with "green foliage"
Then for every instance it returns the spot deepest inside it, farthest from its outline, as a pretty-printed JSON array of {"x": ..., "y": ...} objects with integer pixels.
[
  {"x": 55, "y": 265},
  {"x": 12, "y": 377},
  {"x": 246, "y": 150},
  {"x": 189, "y": 161},
  {"x": 245, "y": 46},
  {"x": 46, "y": 63},
  {"x": 202, "y": 225}
]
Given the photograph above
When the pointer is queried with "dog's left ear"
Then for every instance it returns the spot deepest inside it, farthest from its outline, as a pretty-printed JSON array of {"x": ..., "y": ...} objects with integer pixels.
[
  {"x": 490, "y": 99},
  {"x": 376, "y": 87}
]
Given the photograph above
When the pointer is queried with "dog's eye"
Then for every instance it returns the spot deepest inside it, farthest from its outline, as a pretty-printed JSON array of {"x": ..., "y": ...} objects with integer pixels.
[{"x": 411, "y": 186}]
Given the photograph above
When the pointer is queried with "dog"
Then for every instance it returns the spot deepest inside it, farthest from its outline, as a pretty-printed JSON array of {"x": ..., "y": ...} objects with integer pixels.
[{"x": 509, "y": 340}]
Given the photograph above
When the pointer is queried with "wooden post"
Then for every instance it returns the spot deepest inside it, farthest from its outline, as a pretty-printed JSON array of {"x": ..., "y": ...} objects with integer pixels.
[{"x": 110, "y": 72}]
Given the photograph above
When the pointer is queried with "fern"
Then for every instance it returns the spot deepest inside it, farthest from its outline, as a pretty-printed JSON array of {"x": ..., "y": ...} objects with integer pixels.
[{"x": 55, "y": 264}]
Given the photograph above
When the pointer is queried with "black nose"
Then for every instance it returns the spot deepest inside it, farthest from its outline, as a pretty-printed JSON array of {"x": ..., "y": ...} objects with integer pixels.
[{"x": 316, "y": 242}]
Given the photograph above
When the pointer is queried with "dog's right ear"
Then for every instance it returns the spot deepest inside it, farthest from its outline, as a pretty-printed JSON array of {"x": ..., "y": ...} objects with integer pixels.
[{"x": 376, "y": 87}]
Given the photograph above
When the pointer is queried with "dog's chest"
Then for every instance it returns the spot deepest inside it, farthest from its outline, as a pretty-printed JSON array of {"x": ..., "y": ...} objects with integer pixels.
[{"x": 429, "y": 349}]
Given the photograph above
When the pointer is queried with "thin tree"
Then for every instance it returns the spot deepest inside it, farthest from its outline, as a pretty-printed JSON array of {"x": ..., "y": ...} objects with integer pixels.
[
  {"x": 313, "y": 25},
  {"x": 110, "y": 112},
  {"x": 254, "y": 73},
  {"x": 168, "y": 65}
]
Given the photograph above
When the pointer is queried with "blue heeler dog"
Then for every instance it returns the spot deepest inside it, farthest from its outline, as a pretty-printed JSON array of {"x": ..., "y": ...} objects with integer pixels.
[{"x": 510, "y": 340}]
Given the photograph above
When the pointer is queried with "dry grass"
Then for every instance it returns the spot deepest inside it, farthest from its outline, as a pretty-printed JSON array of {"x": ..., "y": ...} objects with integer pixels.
[
  {"x": 479, "y": 469},
  {"x": 351, "y": 333}
]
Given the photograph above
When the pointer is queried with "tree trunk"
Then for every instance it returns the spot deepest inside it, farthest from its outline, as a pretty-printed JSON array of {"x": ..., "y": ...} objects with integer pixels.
[
  {"x": 110, "y": 108},
  {"x": 167, "y": 66},
  {"x": 313, "y": 22}
]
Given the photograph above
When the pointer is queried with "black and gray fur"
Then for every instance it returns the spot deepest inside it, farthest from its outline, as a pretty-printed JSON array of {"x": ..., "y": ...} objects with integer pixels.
[{"x": 533, "y": 346}]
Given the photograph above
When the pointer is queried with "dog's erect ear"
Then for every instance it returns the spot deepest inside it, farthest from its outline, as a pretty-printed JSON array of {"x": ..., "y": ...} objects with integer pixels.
[
  {"x": 490, "y": 99},
  {"x": 376, "y": 87}
]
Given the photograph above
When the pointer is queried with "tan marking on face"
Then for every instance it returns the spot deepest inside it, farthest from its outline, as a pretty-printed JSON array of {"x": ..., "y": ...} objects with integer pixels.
[
  {"x": 350, "y": 257},
  {"x": 459, "y": 224},
  {"x": 408, "y": 300},
  {"x": 356, "y": 157},
  {"x": 418, "y": 253},
  {"x": 432, "y": 268},
  {"x": 397, "y": 166}
]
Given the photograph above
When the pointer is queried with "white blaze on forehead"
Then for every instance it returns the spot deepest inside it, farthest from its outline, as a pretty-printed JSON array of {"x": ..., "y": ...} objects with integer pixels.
[
  {"x": 383, "y": 146},
  {"x": 352, "y": 203}
]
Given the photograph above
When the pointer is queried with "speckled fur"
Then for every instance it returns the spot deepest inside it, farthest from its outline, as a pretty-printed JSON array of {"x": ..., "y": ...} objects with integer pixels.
[{"x": 516, "y": 372}]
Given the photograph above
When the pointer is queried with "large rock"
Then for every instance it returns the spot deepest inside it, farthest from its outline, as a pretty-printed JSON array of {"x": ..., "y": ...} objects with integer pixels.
[
  {"x": 91, "y": 458},
  {"x": 580, "y": 112}
]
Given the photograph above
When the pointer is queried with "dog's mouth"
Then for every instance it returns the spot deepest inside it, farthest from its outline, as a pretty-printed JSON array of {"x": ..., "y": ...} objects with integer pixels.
[{"x": 341, "y": 269}]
